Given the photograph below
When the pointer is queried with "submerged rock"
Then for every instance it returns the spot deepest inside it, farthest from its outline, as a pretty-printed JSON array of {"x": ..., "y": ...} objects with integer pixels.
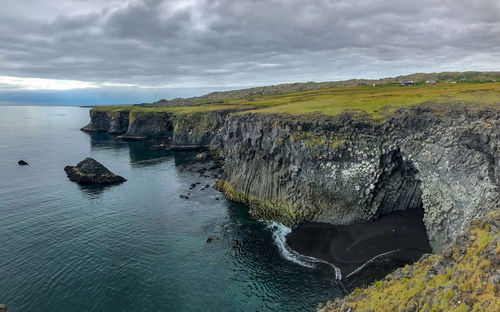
[
  {"x": 22, "y": 163},
  {"x": 210, "y": 239},
  {"x": 90, "y": 171}
]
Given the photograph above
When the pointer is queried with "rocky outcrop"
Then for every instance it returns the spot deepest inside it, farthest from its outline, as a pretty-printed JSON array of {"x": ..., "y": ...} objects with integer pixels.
[
  {"x": 466, "y": 277},
  {"x": 348, "y": 168},
  {"x": 90, "y": 171},
  {"x": 111, "y": 121},
  {"x": 143, "y": 125},
  {"x": 22, "y": 163},
  {"x": 3, "y": 308},
  {"x": 179, "y": 131},
  {"x": 200, "y": 130}
]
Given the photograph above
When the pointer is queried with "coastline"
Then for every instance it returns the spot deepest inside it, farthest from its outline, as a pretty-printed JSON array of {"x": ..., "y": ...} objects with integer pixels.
[
  {"x": 367, "y": 251},
  {"x": 328, "y": 174}
]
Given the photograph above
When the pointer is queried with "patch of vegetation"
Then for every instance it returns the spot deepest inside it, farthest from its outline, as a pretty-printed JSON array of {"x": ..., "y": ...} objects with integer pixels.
[
  {"x": 314, "y": 140},
  {"x": 267, "y": 210}
]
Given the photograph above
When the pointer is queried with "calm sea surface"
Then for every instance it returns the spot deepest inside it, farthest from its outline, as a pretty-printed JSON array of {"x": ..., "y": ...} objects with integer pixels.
[{"x": 136, "y": 246}]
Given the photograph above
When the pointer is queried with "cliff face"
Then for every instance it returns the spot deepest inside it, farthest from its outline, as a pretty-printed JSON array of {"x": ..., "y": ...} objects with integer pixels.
[
  {"x": 342, "y": 170},
  {"x": 347, "y": 168},
  {"x": 113, "y": 122}
]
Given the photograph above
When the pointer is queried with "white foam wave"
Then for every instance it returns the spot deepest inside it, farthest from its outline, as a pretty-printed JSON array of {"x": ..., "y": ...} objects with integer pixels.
[
  {"x": 371, "y": 260},
  {"x": 279, "y": 235}
]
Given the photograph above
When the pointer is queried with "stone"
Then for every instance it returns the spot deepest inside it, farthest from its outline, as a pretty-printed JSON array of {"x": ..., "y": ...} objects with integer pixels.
[
  {"x": 90, "y": 171},
  {"x": 184, "y": 196},
  {"x": 202, "y": 156},
  {"x": 209, "y": 240},
  {"x": 3, "y": 308},
  {"x": 22, "y": 163}
]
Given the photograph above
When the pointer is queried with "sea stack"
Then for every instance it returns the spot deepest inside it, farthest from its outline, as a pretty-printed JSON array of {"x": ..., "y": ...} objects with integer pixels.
[{"x": 90, "y": 171}]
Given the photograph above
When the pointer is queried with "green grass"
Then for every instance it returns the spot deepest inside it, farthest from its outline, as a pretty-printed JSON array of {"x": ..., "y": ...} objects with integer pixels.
[{"x": 377, "y": 101}]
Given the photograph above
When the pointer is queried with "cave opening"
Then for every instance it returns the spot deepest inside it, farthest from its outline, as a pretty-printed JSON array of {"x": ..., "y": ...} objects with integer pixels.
[
  {"x": 395, "y": 236},
  {"x": 398, "y": 187}
]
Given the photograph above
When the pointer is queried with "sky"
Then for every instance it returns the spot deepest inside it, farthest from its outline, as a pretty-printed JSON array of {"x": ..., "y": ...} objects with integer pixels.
[{"x": 83, "y": 52}]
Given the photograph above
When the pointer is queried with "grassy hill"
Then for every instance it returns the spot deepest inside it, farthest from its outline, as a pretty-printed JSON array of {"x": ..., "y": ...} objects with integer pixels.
[{"x": 376, "y": 101}]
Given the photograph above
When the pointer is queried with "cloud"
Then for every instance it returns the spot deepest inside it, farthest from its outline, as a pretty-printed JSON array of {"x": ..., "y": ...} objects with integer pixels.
[
  {"x": 17, "y": 83},
  {"x": 220, "y": 43}
]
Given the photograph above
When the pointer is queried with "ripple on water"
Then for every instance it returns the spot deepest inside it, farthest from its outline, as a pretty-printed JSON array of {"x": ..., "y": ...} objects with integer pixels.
[{"x": 132, "y": 247}]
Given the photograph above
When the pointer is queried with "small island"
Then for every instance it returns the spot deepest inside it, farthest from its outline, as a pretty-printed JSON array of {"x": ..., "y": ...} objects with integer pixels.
[{"x": 90, "y": 171}]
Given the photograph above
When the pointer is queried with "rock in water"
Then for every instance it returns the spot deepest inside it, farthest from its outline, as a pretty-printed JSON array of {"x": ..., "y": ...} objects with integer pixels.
[
  {"x": 22, "y": 163},
  {"x": 3, "y": 308},
  {"x": 90, "y": 171}
]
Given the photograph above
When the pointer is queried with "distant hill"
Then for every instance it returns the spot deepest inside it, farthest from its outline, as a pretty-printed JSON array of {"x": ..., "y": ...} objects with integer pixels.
[{"x": 217, "y": 97}]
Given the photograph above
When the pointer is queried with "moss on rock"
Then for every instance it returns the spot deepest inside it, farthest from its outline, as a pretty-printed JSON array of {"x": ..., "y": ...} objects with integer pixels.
[{"x": 259, "y": 209}]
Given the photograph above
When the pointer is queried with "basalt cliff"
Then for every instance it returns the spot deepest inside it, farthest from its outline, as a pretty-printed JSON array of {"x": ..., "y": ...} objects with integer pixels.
[{"x": 340, "y": 169}]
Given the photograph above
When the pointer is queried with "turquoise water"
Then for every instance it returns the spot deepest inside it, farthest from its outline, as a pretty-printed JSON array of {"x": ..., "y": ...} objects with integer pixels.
[{"x": 136, "y": 246}]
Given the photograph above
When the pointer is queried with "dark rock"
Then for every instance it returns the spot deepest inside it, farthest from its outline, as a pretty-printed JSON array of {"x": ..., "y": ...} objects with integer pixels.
[
  {"x": 22, "y": 163},
  {"x": 184, "y": 196},
  {"x": 193, "y": 185},
  {"x": 3, "y": 308},
  {"x": 90, "y": 171},
  {"x": 210, "y": 239}
]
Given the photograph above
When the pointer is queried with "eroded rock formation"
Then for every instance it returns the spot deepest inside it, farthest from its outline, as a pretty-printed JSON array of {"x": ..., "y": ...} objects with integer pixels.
[{"x": 90, "y": 171}]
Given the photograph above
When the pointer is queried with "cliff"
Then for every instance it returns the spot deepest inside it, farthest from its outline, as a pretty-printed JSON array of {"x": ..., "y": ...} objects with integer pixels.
[
  {"x": 346, "y": 168},
  {"x": 348, "y": 155},
  {"x": 465, "y": 277},
  {"x": 342, "y": 155}
]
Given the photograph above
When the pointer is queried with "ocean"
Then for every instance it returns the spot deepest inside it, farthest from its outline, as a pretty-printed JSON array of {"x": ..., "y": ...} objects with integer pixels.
[{"x": 136, "y": 246}]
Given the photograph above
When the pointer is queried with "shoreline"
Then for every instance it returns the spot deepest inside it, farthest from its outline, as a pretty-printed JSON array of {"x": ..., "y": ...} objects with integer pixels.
[{"x": 366, "y": 251}]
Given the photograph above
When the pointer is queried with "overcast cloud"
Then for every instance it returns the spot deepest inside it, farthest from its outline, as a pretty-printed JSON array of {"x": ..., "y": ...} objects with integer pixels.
[{"x": 224, "y": 43}]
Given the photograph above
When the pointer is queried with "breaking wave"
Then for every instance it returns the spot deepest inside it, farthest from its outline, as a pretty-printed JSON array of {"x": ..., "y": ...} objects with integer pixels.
[{"x": 279, "y": 235}]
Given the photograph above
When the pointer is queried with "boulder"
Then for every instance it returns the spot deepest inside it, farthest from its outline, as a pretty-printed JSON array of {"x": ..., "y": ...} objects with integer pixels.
[
  {"x": 3, "y": 308},
  {"x": 22, "y": 163},
  {"x": 90, "y": 171}
]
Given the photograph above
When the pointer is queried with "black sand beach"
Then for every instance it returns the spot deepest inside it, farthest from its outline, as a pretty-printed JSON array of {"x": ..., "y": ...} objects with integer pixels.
[{"x": 394, "y": 240}]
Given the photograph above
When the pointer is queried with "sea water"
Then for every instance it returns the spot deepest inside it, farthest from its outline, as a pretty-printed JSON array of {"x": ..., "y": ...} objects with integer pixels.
[{"x": 136, "y": 246}]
